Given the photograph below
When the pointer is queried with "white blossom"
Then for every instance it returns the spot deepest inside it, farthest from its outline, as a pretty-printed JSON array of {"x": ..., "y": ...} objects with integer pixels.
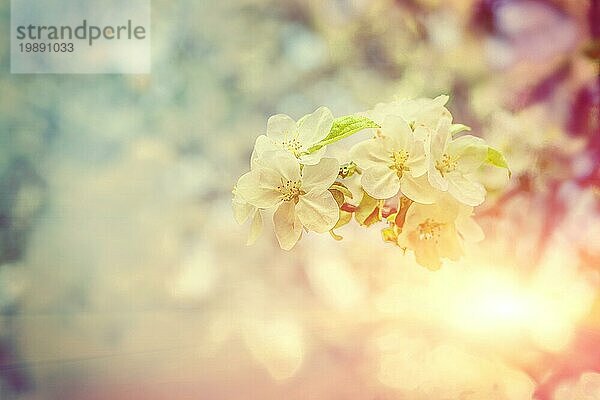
[
  {"x": 416, "y": 112},
  {"x": 295, "y": 137},
  {"x": 413, "y": 154},
  {"x": 393, "y": 161},
  {"x": 435, "y": 231},
  {"x": 301, "y": 195},
  {"x": 453, "y": 163},
  {"x": 242, "y": 211}
]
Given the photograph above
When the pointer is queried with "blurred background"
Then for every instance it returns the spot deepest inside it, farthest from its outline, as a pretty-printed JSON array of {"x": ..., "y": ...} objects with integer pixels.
[{"x": 124, "y": 276}]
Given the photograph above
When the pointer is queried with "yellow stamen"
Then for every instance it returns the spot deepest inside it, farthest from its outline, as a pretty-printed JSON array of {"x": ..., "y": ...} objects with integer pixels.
[
  {"x": 430, "y": 230},
  {"x": 398, "y": 164},
  {"x": 293, "y": 146},
  {"x": 290, "y": 190},
  {"x": 446, "y": 164}
]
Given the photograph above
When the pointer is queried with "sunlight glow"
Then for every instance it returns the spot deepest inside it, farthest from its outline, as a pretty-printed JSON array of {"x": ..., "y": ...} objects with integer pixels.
[
  {"x": 494, "y": 303},
  {"x": 497, "y": 302}
]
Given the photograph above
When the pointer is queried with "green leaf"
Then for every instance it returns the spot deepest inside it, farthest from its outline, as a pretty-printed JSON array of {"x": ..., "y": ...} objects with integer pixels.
[
  {"x": 458, "y": 128},
  {"x": 495, "y": 158},
  {"x": 343, "y": 127}
]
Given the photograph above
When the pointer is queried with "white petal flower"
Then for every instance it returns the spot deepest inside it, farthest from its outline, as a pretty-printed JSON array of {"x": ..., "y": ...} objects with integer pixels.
[
  {"x": 288, "y": 227},
  {"x": 413, "y": 154},
  {"x": 452, "y": 163},
  {"x": 242, "y": 211},
  {"x": 393, "y": 161},
  {"x": 467, "y": 227},
  {"x": 416, "y": 112},
  {"x": 302, "y": 196},
  {"x": 271, "y": 181},
  {"x": 434, "y": 231},
  {"x": 255, "y": 228},
  {"x": 295, "y": 137}
]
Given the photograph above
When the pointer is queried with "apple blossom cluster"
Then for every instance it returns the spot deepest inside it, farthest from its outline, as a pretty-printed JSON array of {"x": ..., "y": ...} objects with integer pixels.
[{"x": 417, "y": 174}]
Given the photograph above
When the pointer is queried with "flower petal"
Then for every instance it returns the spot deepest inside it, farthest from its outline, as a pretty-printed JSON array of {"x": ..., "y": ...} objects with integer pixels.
[
  {"x": 288, "y": 227},
  {"x": 282, "y": 164},
  {"x": 423, "y": 133},
  {"x": 281, "y": 128},
  {"x": 318, "y": 212},
  {"x": 262, "y": 147},
  {"x": 380, "y": 182},
  {"x": 435, "y": 178},
  {"x": 241, "y": 210},
  {"x": 255, "y": 192},
  {"x": 416, "y": 214},
  {"x": 469, "y": 229},
  {"x": 314, "y": 157},
  {"x": 426, "y": 252},
  {"x": 320, "y": 177},
  {"x": 464, "y": 190},
  {"x": 449, "y": 245},
  {"x": 314, "y": 127},
  {"x": 371, "y": 152},
  {"x": 417, "y": 189},
  {"x": 444, "y": 123},
  {"x": 255, "y": 228},
  {"x": 466, "y": 226},
  {"x": 472, "y": 152},
  {"x": 439, "y": 143},
  {"x": 441, "y": 100},
  {"x": 398, "y": 129},
  {"x": 418, "y": 161}
]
